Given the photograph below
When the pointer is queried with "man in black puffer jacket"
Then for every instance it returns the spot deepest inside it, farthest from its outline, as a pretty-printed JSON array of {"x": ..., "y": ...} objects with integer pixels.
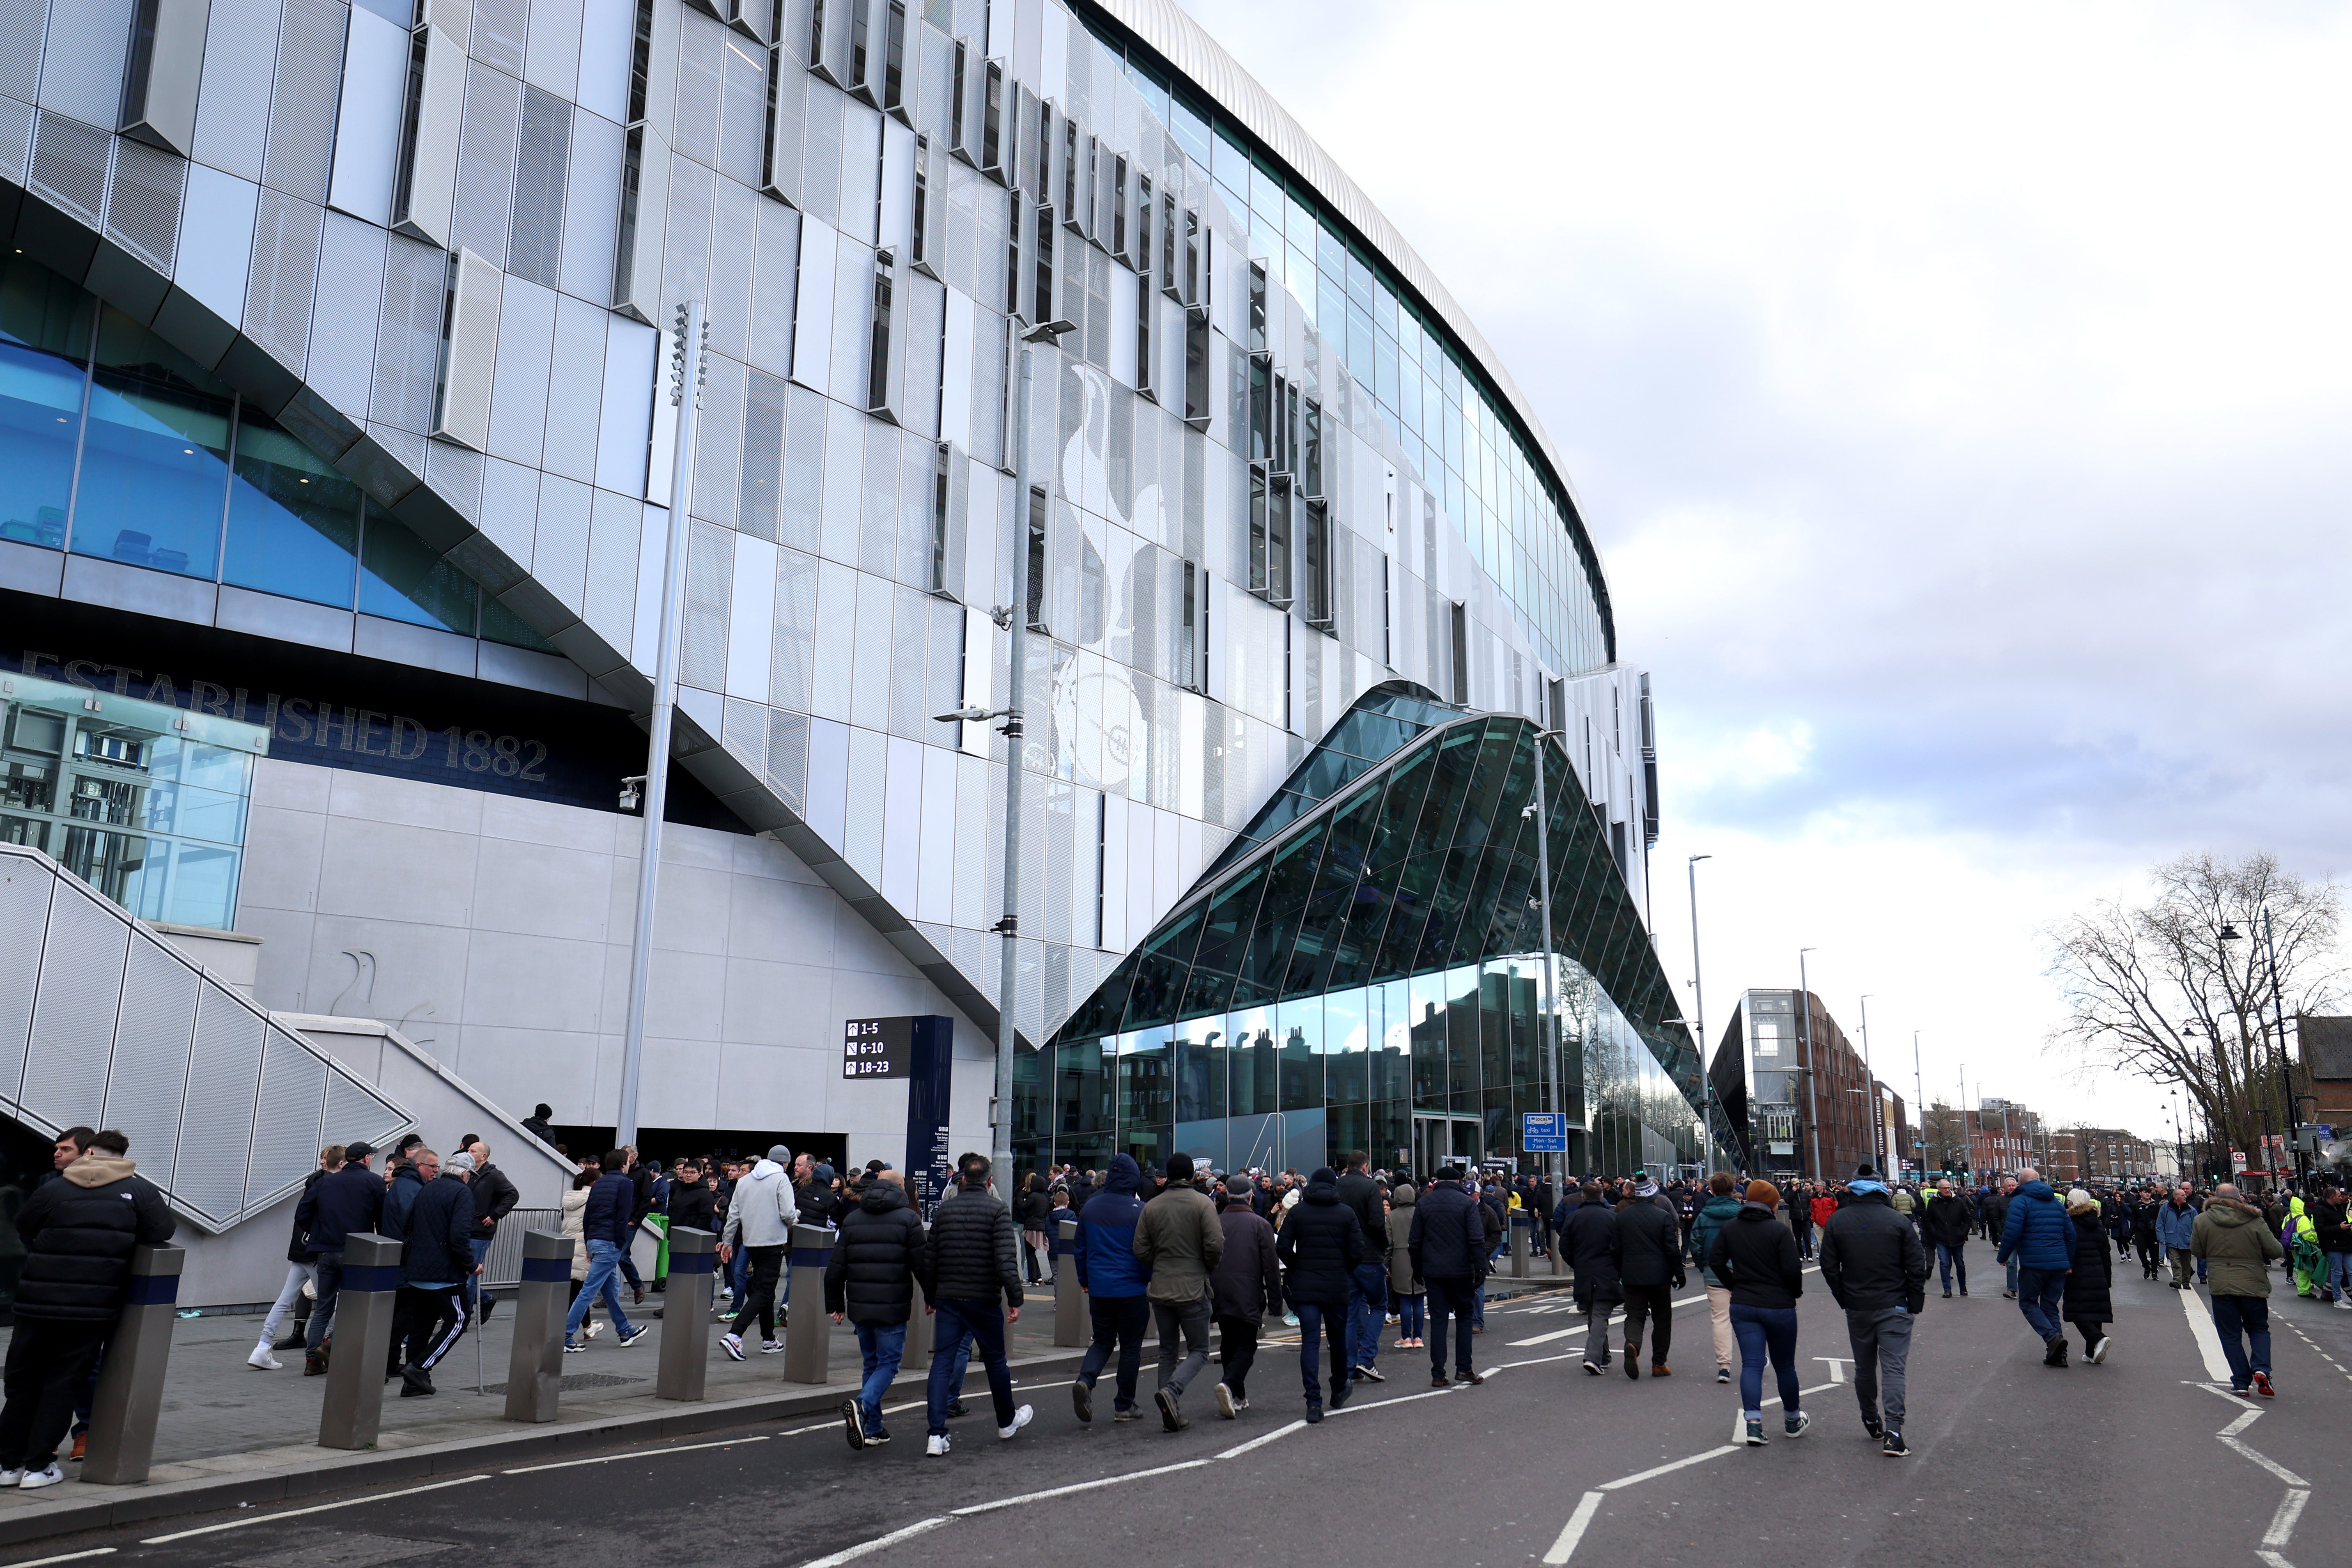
[
  {"x": 1588, "y": 1237},
  {"x": 871, "y": 1282},
  {"x": 435, "y": 1265},
  {"x": 1448, "y": 1243},
  {"x": 1368, "y": 1287},
  {"x": 1321, "y": 1244},
  {"x": 971, "y": 1260},
  {"x": 1650, "y": 1265},
  {"x": 1874, "y": 1265},
  {"x": 78, "y": 1233}
]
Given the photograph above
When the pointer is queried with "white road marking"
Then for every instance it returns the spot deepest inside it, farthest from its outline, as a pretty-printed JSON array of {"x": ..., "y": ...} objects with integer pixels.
[
  {"x": 2290, "y": 1508},
  {"x": 1236, "y": 1451},
  {"x": 851, "y": 1553},
  {"x": 2240, "y": 1445},
  {"x": 2208, "y": 1341},
  {"x": 631, "y": 1454},
  {"x": 1573, "y": 1531},
  {"x": 66, "y": 1557},
  {"x": 1658, "y": 1470},
  {"x": 315, "y": 1507},
  {"x": 2273, "y": 1560},
  {"x": 1400, "y": 1399},
  {"x": 1837, "y": 1366},
  {"x": 1581, "y": 1328},
  {"x": 1076, "y": 1486}
]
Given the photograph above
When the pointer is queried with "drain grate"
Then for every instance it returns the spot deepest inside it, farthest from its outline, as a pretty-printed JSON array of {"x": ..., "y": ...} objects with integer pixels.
[{"x": 577, "y": 1381}]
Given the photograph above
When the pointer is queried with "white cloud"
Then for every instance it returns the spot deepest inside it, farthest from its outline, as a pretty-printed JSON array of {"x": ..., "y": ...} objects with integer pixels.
[{"x": 1959, "y": 398}]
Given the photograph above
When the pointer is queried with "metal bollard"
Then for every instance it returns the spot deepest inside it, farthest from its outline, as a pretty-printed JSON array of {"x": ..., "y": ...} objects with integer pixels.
[
  {"x": 1523, "y": 1227},
  {"x": 131, "y": 1385},
  {"x": 365, "y": 1300},
  {"x": 686, "y": 1316},
  {"x": 1559, "y": 1258},
  {"x": 808, "y": 1337},
  {"x": 1069, "y": 1299},
  {"x": 917, "y": 1354},
  {"x": 543, "y": 1300}
]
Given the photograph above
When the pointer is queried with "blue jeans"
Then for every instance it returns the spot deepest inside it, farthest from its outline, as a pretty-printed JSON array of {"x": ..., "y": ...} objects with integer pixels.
[
  {"x": 2040, "y": 1293},
  {"x": 481, "y": 1249},
  {"x": 880, "y": 1345},
  {"x": 629, "y": 1264},
  {"x": 604, "y": 1266},
  {"x": 1411, "y": 1317},
  {"x": 739, "y": 1274},
  {"x": 2251, "y": 1316},
  {"x": 322, "y": 1312},
  {"x": 951, "y": 1321},
  {"x": 2339, "y": 1274},
  {"x": 1948, "y": 1258},
  {"x": 1765, "y": 1331},
  {"x": 1119, "y": 1324},
  {"x": 1368, "y": 1315},
  {"x": 1315, "y": 1320}
]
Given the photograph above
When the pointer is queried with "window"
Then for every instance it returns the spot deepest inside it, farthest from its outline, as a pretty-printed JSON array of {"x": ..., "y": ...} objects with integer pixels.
[
  {"x": 991, "y": 123},
  {"x": 1277, "y": 540},
  {"x": 1188, "y": 641},
  {"x": 1146, "y": 381},
  {"x": 894, "y": 62},
  {"x": 1171, "y": 277},
  {"x": 1311, "y": 463},
  {"x": 1119, "y": 225},
  {"x": 1257, "y": 529},
  {"x": 1037, "y": 558},
  {"x": 1070, "y": 172},
  {"x": 1461, "y": 617},
  {"x": 1193, "y": 295},
  {"x": 880, "y": 382},
  {"x": 1316, "y": 530},
  {"x": 1258, "y": 306},
  {"x": 154, "y": 455},
  {"x": 939, "y": 470},
  {"x": 961, "y": 100},
  {"x": 928, "y": 193},
  {"x": 293, "y": 518},
  {"x": 1197, "y": 412},
  {"x": 1261, "y": 404},
  {"x": 1044, "y": 240}
]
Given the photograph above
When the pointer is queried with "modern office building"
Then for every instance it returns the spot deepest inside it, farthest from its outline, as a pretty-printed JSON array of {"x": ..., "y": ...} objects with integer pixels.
[
  {"x": 334, "y": 466},
  {"x": 1797, "y": 1096}
]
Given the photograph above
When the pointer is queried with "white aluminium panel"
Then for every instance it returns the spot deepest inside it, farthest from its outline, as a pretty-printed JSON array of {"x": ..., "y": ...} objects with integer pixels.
[
  {"x": 367, "y": 121},
  {"x": 751, "y": 630}
]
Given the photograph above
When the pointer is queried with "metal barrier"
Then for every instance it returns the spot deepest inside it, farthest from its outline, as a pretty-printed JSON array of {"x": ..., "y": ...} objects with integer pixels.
[
  {"x": 364, "y": 1302},
  {"x": 808, "y": 1335},
  {"x": 686, "y": 1316},
  {"x": 1069, "y": 1297},
  {"x": 502, "y": 1265},
  {"x": 543, "y": 1300},
  {"x": 130, "y": 1386}
]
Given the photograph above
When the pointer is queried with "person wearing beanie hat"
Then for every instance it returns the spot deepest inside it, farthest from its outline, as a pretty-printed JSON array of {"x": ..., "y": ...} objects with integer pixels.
[
  {"x": 1755, "y": 1256},
  {"x": 1873, "y": 1263},
  {"x": 2089, "y": 1297}
]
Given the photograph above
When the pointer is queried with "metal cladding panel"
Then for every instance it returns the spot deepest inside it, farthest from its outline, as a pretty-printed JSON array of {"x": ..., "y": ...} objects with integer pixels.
[
  {"x": 286, "y": 1118},
  {"x": 22, "y": 23},
  {"x": 81, "y": 71},
  {"x": 486, "y": 164},
  {"x": 142, "y": 205},
  {"x": 500, "y": 32},
  {"x": 535, "y": 245},
  {"x": 787, "y": 119},
  {"x": 284, "y": 276},
  {"x": 469, "y": 352},
  {"x": 223, "y": 1077},
  {"x": 69, "y": 162},
  {"x": 408, "y": 336},
  {"x": 236, "y": 82},
  {"x": 368, "y": 118},
  {"x": 426, "y": 196},
  {"x": 301, "y": 148},
  {"x": 152, "y": 1044},
  {"x": 15, "y": 136},
  {"x": 167, "y": 68},
  {"x": 644, "y": 211},
  {"x": 344, "y": 326},
  {"x": 23, "y": 916},
  {"x": 73, "y": 1013},
  {"x": 754, "y": 19}
]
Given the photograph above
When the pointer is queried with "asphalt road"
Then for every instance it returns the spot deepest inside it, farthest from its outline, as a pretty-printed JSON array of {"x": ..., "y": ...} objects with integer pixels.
[{"x": 2137, "y": 1461}]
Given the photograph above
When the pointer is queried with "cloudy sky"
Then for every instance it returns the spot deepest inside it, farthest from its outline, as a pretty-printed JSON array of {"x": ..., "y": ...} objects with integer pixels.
[{"x": 1963, "y": 405}]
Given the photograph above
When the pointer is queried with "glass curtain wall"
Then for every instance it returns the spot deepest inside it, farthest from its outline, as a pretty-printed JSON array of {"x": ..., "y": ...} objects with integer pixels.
[
  {"x": 114, "y": 444},
  {"x": 1371, "y": 976}
]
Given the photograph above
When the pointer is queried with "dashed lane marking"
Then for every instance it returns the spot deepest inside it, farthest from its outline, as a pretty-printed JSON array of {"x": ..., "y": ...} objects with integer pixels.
[
  {"x": 315, "y": 1507},
  {"x": 630, "y": 1454},
  {"x": 1573, "y": 1531},
  {"x": 2208, "y": 1342},
  {"x": 1238, "y": 1449},
  {"x": 66, "y": 1557},
  {"x": 1074, "y": 1487},
  {"x": 850, "y": 1554}
]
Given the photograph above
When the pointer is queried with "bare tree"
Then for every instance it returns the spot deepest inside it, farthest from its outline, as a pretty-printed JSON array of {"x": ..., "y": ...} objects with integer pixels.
[
  {"x": 1946, "y": 1130},
  {"x": 2157, "y": 989}
]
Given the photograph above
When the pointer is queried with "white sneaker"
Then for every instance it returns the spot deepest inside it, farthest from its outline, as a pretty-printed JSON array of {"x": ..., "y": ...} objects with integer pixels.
[
  {"x": 732, "y": 1344},
  {"x": 1225, "y": 1405},
  {"x": 36, "y": 1479},
  {"x": 594, "y": 1328},
  {"x": 937, "y": 1448},
  {"x": 771, "y": 1347},
  {"x": 10, "y": 1478},
  {"x": 1020, "y": 1419},
  {"x": 260, "y": 1361}
]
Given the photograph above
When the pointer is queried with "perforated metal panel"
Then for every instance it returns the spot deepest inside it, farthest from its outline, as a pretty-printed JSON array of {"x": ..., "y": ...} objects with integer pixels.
[
  {"x": 222, "y": 1076},
  {"x": 486, "y": 164},
  {"x": 22, "y": 25},
  {"x": 301, "y": 147},
  {"x": 408, "y": 341},
  {"x": 73, "y": 1014},
  {"x": 500, "y": 26},
  {"x": 424, "y": 194},
  {"x": 15, "y": 135},
  {"x": 81, "y": 69},
  {"x": 644, "y": 205},
  {"x": 542, "y": 162},
  {"x": 23, "y": 917},
  {"x": 709, "y": 581},
  {"x": 69, "y": 165},
  {"x": 167, "y": 66},
  {"x": 293, "y": 1097},
  {"x": 150, "y": 1072},
  {"x": 142, "y": 204},
  {"x": 470, "y": 350},
  {"x": 788, "y": 757},
  {"x": 354, "y": 1110},
  {"x": 278, "y": 288}
]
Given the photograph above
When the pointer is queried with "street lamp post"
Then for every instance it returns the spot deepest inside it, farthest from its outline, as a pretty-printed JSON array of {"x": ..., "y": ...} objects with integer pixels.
[
  {"x": 1805, "y": 1024},
  {"x": 1919, "y": 1109},
  {"x": 1014, "y": 618},
  {"x": 1699, "y": 998},
  {"x": 685, "y": 395},
  {"x": 2287, "y": 1082},
  {"x": 1877, "y": 1106},
  {"x": 1538, "y": 806}
]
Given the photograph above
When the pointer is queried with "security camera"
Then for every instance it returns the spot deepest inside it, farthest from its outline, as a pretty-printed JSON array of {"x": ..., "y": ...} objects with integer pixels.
[{"x": 632, "y": 791}]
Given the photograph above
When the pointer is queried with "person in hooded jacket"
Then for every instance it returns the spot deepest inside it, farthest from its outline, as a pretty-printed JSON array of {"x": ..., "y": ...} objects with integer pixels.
[
  {"x": 1590, "y": 1241},
  {"x": 2089, "y": 1301},
  {"x": 760, "y": 1220},
  {"x": 1412, "y": 1305},
  {"x": 1650, "y": 1267},
  {"x": 1115, "y": 1280},
  {"x": 2036, "y": 1232},
  {"x": 1874, "y": 1265},
  {"x": 1321, "y": 1245},
  {"x": 870, "y": 1280},
  {"x": 2232, "y": 1240},
  {"x": 1245, "y": 1285},
  {"x": 1448, "y": 1243},
  {"x": 1721, "y": 1207},
  {"x": 1756, "y": 1256},
  {"x": 971, "y": 1272},
  {"x": 431, "y": 1310},
  {"x": 1950, "y": 1218},
  {"x": 79, "y": 1234}
]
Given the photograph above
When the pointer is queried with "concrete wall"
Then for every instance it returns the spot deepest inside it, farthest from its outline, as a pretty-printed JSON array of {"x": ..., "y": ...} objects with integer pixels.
[{"x": 494, "y": 934}]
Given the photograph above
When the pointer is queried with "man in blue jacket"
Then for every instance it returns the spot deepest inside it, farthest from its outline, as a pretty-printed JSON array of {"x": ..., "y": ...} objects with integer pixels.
[
  {"x": 604, "y": 1227},
  {"x": 2175, "y": 1226},
  {"x": 1114, "y": 1280},
  {"x": 346, "y": 1204},
  {"x": 2037, "y": 1233}
]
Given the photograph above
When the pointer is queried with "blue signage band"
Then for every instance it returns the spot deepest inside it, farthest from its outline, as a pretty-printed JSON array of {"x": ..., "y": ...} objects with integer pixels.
[
  {"x": 153, "y": 1290},
  {"x": 546, "y": 1270},
  {"x": 812, "y": 1256},
  {"x": 370, "y": 1277},
  {"x": 693, "y": 1262}
]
